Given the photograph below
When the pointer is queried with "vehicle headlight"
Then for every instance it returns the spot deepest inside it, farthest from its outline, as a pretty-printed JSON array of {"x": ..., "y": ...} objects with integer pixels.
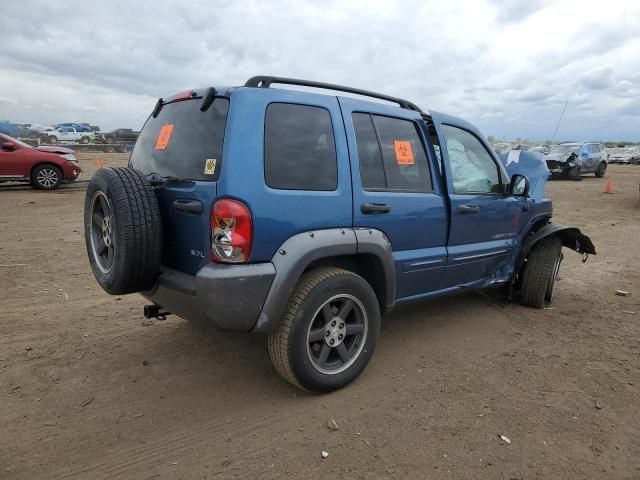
[{"x": 71, "y": 157}]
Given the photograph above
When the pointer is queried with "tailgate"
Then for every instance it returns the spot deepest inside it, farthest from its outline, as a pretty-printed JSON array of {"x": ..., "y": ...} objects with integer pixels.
[{"x": 180, "y": 151}]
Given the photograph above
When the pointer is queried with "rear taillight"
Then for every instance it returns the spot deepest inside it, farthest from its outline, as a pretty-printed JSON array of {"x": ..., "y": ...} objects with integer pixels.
[
  {"x": 184, "y": 95},
  {"x": 231, "y": 231}
]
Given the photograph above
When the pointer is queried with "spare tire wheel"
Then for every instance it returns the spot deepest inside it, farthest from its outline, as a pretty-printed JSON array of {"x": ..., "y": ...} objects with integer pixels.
[{"x": 123, "y": 230}]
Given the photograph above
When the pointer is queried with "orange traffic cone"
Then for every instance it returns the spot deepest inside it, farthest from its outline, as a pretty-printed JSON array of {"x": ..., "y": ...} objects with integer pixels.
[{"x": 608, "y": 188}]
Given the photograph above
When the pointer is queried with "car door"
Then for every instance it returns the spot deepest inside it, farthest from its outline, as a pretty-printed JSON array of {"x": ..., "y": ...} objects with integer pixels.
[
  {"x": 485, "y": 222},
  {"x": 395, "y": 191},
  {"x": 12, "y": 162},
  {"x": 66, "y": 134},
  {"x": 589, "y": 157},
  {"x": 603, "y": 157}
]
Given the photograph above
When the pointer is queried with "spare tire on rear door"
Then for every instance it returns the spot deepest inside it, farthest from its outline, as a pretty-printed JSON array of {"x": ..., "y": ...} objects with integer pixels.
[{"x": 123, "y": 231}]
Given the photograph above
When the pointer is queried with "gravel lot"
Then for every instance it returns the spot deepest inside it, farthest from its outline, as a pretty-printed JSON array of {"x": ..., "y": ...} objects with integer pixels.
[{"x": 88, "y": 391}]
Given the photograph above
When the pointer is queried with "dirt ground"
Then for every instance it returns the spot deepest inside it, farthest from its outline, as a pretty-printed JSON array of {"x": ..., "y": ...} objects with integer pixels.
[{"x": 88, "y": 391}]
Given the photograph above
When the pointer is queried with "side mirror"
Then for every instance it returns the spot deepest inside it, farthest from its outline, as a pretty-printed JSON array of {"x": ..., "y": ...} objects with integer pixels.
[
  {"x": 9, "y": 146},
  {"x": 519, "y": 186}
]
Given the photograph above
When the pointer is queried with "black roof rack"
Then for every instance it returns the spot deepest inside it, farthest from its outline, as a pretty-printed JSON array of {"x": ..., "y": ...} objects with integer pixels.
[{"x": 264, "y": 81}]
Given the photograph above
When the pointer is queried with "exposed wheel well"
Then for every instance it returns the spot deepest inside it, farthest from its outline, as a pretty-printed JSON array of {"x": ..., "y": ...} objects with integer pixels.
[{"x": 368, "y": 266}]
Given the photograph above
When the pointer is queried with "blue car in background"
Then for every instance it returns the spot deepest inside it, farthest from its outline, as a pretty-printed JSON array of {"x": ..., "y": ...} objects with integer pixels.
[
  {"x": 10, "y": 129},
  {"x": 79, "y": 127}
]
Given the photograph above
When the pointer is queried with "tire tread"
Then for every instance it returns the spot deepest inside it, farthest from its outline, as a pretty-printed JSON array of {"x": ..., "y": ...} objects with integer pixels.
[
  {"x": 538, "y": 270},
  {"x": 279, "y": 342}
]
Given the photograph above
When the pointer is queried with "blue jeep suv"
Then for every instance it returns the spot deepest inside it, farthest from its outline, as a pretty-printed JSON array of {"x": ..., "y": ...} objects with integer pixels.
[{"x": 305, "y": 216}]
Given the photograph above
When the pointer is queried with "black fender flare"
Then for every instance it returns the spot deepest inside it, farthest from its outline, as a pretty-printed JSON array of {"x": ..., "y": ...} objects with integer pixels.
[
  {"x": 571, "y": 238},
  {"x": 299, "y": 251}
]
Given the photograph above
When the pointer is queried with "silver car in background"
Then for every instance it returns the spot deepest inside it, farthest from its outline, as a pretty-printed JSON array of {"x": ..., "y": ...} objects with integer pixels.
[
  {"x": 572, "y": 160},
  {"x": 624, "y": 155}
]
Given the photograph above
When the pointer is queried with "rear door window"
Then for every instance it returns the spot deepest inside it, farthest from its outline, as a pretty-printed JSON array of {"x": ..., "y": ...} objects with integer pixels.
[
  {"x": 299, "y": 148},
  {"x": 391, "y": 154},
  {"x": 182, "y": 141}
]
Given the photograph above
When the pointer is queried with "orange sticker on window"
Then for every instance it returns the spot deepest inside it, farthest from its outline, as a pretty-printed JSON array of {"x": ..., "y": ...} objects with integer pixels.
[
  {"x": 163, "y": 137},
  {"x": 404, "y": 154}
]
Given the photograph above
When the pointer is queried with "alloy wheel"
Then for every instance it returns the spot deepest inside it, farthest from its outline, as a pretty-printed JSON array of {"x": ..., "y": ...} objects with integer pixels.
[
  {"x": 337, "y": 334},
  {"x": 47, "y": 177},
  {"x": 101, "y": 232}
]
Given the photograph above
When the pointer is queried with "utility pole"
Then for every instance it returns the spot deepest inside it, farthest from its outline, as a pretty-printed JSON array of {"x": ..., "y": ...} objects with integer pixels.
[{"x": 559, "y": 120}]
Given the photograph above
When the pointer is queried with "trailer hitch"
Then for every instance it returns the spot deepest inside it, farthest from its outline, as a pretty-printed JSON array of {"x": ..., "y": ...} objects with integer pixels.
[{"x": 155, "y": 311}]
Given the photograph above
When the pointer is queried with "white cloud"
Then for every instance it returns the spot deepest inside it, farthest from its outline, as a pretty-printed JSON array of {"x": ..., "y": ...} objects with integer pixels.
[
  {"x": 598, "y": 78},
  {"x": 470, "y": 58},
  {"x": 8, "y": 101}
]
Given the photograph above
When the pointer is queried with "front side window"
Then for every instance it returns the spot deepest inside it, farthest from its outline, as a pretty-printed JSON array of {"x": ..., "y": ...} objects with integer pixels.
[
  {"x": 299, "y": 148},
  {"x": 472, "y": 167},
  {"x": 391, "y": 154}
]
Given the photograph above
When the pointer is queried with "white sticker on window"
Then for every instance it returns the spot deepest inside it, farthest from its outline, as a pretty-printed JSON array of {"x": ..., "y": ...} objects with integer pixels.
[{"x": 210, "y": 166}]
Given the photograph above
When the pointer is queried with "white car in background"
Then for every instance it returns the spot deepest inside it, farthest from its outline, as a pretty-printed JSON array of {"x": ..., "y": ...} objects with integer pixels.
[
  {"x": 624, "y": 155},
  {"x": 66, "y": 134}
]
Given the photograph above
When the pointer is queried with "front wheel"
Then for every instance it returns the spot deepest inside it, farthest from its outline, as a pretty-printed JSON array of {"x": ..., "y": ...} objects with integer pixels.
[
  {"x": 46, "y": 177},
  {"x": 574, "y": 173},
  {"x": 601, "y": 170},
  {"x": 328, "y": 332},
  {"x": 52, "y": 140},
  {"x": 540, "y": 273},
  {"x": 84, "y": 140}
]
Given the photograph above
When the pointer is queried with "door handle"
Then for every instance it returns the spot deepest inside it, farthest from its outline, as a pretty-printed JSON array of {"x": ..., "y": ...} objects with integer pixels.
[
  {"x": 468, "y": 209},
  {"x": 185, "y": 205},
  {"x": 374, "y": 208}
]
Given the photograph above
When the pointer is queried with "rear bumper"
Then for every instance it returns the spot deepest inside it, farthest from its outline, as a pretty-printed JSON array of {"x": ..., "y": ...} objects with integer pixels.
[{"x": 224, "y": 297}]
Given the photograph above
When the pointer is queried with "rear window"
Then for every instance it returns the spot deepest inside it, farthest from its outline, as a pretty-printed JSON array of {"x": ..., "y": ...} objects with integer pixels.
[
  {"x": 182, "y": 141},
  {"x": 299, "y": 148}
]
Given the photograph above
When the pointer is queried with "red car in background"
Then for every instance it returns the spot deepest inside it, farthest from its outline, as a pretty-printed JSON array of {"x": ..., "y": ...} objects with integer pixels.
[{"x": 45, "y": 167}]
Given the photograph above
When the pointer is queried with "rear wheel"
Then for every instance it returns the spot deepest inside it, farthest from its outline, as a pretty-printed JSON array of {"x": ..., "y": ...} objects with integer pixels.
[
  {"x": 328, "y": 332},
  {"x": 601, "y": 170},
  {"x": 46, "y": 177},
  {"x": 84, "y": 140},
  {"x": 540, "y": 273}
]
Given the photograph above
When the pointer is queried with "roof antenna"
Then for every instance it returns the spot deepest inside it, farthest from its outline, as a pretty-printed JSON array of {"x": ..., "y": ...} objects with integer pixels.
[{"x": 559, "y": 120}]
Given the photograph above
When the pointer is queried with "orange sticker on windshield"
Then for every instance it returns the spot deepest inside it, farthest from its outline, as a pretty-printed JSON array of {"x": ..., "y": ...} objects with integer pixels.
[
  {"x": 163, "y": 137},
  {"x": 404, "y": 155}
]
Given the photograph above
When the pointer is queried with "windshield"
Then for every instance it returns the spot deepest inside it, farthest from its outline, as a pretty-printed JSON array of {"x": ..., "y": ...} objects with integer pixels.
[
  {"x": 7, "y": 138},
  {"x": 565, "y": 149},
  {"x": 621, "y": 151},
  {"x": 182, "y": 141}
]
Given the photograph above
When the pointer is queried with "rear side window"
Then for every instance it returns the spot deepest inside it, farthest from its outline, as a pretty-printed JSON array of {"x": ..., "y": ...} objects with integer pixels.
[
  {"x": 391, "y": 154},
  {"x": 299, "y": 148},
  {"x": 369, "y": 154},
  {"x": 182, "y": 141}
]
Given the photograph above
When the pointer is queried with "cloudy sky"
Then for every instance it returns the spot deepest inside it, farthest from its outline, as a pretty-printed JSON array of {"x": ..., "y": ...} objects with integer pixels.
[{"x": 507, "y": 66}]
